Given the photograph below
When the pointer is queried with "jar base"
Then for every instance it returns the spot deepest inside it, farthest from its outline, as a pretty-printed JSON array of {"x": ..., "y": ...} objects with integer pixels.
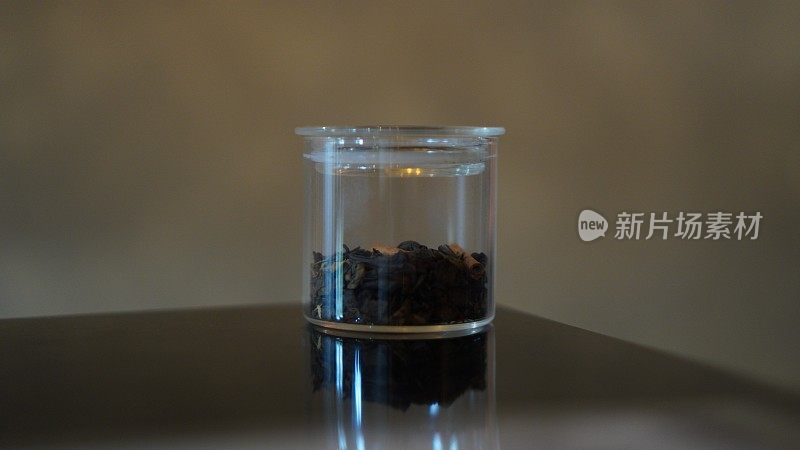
[{"x": 410, "y": 329}]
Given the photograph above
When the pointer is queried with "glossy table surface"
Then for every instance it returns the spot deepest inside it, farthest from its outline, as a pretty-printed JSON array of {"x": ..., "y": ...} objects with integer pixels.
[{"x": 260, "y": 377}]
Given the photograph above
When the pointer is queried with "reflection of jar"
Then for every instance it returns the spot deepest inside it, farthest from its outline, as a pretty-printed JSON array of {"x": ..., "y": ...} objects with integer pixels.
[
  {"x": 374, "y": 392},
  {"x": 400, "y": 227}
]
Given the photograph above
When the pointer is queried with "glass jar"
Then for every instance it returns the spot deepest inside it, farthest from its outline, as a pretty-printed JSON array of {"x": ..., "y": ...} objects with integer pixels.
[{"x": 399, "y": 227}]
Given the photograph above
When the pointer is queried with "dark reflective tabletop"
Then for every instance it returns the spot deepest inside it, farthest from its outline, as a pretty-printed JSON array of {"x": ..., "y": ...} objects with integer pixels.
[{"x": 260, "y": 377}]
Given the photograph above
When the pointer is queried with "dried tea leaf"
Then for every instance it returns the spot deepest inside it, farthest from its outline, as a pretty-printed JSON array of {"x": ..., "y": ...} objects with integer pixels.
[{"x": 410, "y": 284}]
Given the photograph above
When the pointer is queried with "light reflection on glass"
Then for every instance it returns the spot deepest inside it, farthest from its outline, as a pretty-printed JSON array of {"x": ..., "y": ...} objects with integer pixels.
[
  {"x": 340, "y": 391},
  {"x": 437, "y": 442},
  {"x": 357, "y": 400},
  {"x": 453, "y": 442}
]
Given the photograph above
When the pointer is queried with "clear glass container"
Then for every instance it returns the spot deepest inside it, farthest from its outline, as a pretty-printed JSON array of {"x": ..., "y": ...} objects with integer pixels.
[{"x": 399, "y": 227}]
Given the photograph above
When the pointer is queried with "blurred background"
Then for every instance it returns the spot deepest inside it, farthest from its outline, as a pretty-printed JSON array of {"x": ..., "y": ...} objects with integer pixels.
[{"x": 148, "y": 161}]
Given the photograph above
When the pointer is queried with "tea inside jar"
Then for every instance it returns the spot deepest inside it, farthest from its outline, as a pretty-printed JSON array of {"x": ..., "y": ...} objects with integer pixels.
[{"x": 410, "y": 284}]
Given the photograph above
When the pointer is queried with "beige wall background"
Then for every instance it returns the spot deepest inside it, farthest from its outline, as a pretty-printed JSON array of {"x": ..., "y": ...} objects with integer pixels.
[{"x": 147, "y": 156}]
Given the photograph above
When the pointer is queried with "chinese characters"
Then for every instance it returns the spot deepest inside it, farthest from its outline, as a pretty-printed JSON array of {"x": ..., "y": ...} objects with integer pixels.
[{"x": 688, "y": 225}]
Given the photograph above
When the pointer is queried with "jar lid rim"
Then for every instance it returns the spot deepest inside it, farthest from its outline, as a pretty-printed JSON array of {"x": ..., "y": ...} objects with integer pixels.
[{"x": 398, "y": 130}]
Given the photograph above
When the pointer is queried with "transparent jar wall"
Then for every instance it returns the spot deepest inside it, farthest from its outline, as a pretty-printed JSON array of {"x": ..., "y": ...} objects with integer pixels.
[{"x": 367, "y": 195}]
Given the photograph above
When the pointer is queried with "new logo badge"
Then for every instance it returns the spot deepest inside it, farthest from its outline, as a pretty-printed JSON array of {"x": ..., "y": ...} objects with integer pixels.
[{"x": 591, "y": 225}]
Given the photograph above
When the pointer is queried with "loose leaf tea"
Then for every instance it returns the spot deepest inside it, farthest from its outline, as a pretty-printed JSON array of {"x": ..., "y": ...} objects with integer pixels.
[
  {"x": 410, "y": 284},
  {"x": 400, "y": 373}
]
